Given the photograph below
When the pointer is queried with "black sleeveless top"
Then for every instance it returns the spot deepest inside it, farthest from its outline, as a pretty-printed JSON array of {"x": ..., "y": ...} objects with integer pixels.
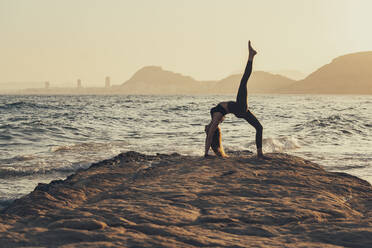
[{"x": 232, "y": 106}]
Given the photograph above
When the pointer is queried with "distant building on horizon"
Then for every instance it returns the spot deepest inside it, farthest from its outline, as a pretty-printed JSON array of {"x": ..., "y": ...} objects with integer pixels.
[
  {"x": 78, "y": 83},
  {"x": 47, "y": 85},
  {"x": 107, "y": 82}
]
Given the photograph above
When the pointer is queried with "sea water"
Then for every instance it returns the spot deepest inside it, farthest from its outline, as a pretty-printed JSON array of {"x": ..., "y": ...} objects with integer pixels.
[{"x": 43, "y": 138}]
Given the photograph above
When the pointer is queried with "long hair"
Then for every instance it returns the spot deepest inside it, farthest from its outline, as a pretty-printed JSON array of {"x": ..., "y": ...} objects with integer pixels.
[{"x": 216, "y": 142}]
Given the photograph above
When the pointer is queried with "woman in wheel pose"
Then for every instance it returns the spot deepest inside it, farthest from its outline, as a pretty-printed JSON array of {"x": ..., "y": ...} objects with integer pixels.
[{"x": 239, "y": 108}]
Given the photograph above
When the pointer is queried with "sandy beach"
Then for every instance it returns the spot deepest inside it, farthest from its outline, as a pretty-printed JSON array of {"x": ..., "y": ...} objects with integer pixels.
[{"x": 137, "y": 200}]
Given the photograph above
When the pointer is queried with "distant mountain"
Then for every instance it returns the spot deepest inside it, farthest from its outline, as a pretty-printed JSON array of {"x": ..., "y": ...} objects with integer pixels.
[
  {"x": 348, "y": 74},
  {"x": 292, "y": 74},
  {"x": 259, "y": 82},
  {"x": 155, "y": 80}
]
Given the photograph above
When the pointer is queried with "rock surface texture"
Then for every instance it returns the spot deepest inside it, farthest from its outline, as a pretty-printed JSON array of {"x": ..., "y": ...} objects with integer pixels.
[{"x": 136, "y": 200}]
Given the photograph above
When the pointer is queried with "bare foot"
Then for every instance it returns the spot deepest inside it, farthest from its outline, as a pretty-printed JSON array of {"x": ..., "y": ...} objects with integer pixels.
[
  {"x": 252, "y": 52},
  {"x": 206, "y": 156},
  {"x": 261, "y": 156}
]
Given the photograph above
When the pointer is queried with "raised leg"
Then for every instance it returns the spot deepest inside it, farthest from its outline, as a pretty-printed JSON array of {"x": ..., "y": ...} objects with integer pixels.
[{"x": 241, "y": 97}]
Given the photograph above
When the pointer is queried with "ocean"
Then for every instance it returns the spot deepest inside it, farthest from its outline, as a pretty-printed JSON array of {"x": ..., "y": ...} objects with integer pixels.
[{"x": 43, "y": 138}]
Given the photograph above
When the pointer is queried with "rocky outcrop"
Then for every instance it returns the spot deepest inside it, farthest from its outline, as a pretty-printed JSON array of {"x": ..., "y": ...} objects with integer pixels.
[{"x": 136, "y": 200}]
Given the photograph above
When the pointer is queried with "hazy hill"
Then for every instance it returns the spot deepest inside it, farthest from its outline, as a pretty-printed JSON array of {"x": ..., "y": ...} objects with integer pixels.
[
  {"x": 259, "y": 82},
  {"x": 348, "y": 74},
  {"x": 292, "y": 74},
  {"x": 155, "y": 80}
]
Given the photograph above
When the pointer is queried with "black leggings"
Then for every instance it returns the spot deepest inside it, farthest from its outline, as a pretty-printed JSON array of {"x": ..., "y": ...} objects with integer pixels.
[
  {"x": 248, "y": 116},
  {"x": 242, "y": 107},
  {"x": 241, "y": 97}
]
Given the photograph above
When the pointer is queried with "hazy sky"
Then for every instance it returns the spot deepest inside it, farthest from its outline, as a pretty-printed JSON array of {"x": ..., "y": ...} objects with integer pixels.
[{"x": 63, "y": 40}]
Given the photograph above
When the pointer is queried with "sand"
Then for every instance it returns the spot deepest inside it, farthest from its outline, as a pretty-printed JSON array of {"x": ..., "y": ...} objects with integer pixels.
[{"x": 136, "y": 200}]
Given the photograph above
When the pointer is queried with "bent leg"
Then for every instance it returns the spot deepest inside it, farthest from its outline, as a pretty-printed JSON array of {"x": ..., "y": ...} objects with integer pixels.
[{"x": 248, "y": 116}]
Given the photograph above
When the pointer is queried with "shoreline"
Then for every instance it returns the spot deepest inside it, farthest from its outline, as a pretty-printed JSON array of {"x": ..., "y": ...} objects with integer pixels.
[
  {"x": 186, "y": 94},
  {"x": 171, "y": 200}
]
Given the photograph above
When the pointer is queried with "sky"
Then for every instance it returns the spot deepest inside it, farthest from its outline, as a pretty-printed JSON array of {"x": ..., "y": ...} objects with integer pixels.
[{"x": 61, "y": 41}]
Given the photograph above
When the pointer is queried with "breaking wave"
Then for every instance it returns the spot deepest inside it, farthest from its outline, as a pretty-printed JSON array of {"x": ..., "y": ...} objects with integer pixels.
[
  {"x": 280, "y": 144},
  {"x": 7, "y": 172}
]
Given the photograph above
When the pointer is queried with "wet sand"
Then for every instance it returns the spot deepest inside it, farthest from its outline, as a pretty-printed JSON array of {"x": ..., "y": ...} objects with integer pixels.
[{"x": 137, "y": 200}]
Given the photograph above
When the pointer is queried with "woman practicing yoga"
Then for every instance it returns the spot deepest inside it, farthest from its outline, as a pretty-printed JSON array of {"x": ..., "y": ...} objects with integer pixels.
[{"x": 239, "y": 109}]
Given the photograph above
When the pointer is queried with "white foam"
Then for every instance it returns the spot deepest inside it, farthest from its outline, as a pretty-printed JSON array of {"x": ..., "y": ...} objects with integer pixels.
[
  {"x": 89, "y": 146},
  {"x": 280, "y": 144}
]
